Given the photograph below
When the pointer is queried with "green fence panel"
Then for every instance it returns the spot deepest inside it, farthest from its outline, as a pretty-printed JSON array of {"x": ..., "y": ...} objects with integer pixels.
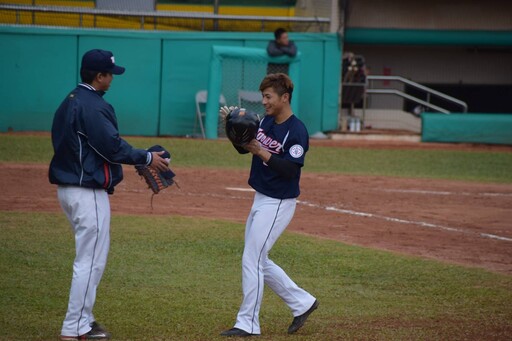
[
  {"x": 331, "y": 87},
  {"x": 467, "y": 127},
  {"x": 184, "y": 73},
  {"x": 37, "y": 73},
  {"x": 135, "y": 94},
  {"x": 164, "y": 70},
  {"x": 312, "y": 86}
]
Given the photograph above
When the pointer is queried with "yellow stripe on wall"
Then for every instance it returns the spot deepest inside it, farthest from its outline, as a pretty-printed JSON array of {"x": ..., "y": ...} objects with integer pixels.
[
  {"x": 61, "y": 3},
  {"x": 231, "y": 10},
  {"x": 174, "y": 24}
]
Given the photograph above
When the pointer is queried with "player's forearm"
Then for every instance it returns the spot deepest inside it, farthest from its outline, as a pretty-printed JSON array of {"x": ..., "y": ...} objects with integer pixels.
[
  {"x": 254, "y": 147},
  {"x": 285, "y": 168},
  {"x": 274, "y": 50},
  {"x": 290, "y": 50}
]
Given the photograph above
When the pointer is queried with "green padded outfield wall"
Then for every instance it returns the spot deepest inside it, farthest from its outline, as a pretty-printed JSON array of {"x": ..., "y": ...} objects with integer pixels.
[
  {"x": 164, "y": 70},
  {"x": 467, "y": 128}
]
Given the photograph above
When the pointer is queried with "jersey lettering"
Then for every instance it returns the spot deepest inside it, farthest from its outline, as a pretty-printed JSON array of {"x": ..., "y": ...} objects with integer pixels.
[
  {"x": 288, "y": 141},
  {"x": 268, "y": 143}
]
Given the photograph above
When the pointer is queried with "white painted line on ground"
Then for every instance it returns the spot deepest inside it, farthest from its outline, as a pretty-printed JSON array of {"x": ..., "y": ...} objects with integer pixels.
[
  {"x": 401, "y": 221},
  {"x": 240, "y": 189},
  {"x": 395, "y": 220},
  {"x": 495, "y": 237},
  {"x": 417, "y": 191}
]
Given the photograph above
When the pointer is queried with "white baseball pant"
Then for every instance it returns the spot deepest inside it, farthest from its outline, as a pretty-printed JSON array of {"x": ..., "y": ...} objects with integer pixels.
[
  {"x": 88, "y": 211},
  {"x": 267, "y": 220}
]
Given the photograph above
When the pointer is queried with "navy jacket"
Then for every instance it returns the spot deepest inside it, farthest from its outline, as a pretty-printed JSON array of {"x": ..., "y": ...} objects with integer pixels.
[
  {"x": 276, "y": 50},
  {"x": 88, "y": 151}
]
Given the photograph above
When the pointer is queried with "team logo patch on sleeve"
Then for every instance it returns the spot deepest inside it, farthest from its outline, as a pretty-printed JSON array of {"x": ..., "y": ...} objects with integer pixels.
[{"x": 296, "y": 151}]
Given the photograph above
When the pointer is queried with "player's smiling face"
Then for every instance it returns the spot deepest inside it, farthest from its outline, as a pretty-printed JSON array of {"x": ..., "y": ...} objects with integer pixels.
[{"x": 272, "y": 102}]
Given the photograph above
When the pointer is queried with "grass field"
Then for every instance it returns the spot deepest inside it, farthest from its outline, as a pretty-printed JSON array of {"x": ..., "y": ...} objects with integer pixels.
[
  {"x": 178, "y": 278},
  {"x": 483, "y": 166}
]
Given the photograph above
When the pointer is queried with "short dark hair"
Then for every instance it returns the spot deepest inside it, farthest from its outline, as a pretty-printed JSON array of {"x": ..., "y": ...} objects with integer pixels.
[
  {"x": 280, "y": 82},
  {"x": 279, "y": 32},
  {"x": 88, "y": 76}
]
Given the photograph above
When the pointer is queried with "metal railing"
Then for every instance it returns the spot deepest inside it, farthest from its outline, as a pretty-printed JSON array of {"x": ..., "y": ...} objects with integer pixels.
[
  {"x": 427, "y": 90},
  {"x": 81, "y": 11}
]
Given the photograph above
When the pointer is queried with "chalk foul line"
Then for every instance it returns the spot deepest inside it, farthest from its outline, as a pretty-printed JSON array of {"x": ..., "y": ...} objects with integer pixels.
[
  {"x": 391, "y": 219},
  {"x": 418, "y": 191},
  {"x": 402, "y": 221},
  {"x": 240, "y": 189}
]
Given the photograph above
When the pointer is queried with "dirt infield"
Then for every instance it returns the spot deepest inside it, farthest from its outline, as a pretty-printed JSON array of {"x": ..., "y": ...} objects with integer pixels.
[{"x": 459, "y": 222}]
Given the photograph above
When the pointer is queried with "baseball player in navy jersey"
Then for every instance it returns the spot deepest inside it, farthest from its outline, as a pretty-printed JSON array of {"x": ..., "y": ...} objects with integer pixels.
[
  {"x": 86, "y": 165},
  {"x": 279, "y": 150}
]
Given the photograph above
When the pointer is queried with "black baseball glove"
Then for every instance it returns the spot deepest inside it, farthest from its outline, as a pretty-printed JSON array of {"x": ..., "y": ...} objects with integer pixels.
[
  {"x": 241, "y": 126},
  {"x": 156, "y": 180}
]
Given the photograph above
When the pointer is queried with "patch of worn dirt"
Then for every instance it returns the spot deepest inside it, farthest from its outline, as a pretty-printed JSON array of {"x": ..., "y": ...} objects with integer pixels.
[{"x": 453, "y": 221}]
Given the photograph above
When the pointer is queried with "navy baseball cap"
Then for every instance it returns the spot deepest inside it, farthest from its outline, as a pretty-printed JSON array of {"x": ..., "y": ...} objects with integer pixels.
[{"x": 101, "y": 61}]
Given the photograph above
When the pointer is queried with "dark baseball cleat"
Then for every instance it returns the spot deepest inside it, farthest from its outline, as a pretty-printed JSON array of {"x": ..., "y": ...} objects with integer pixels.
[
  {"x": 236, "y": 332},
  {"x": 299, "y": 321},
  {"x": 97, "y": 332}
]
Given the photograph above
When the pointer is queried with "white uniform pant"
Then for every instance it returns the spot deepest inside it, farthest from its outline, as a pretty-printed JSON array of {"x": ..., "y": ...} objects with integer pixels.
[
  {"x": 88, "y": 211},
  {"x": 267, "y": 220}
]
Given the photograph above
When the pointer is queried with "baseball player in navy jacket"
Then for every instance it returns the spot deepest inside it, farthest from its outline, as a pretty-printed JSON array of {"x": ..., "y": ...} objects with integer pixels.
[{"x": 86, "y": 166}]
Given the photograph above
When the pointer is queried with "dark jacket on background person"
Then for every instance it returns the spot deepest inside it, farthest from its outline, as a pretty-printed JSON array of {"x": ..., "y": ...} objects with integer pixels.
[
  {"x": 275, "y": 50},
  {"x": 88, "y": 148}
]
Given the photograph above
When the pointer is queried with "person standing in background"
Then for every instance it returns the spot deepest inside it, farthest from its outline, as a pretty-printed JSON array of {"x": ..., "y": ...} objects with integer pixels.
[{"x": 280, "y": 46}]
